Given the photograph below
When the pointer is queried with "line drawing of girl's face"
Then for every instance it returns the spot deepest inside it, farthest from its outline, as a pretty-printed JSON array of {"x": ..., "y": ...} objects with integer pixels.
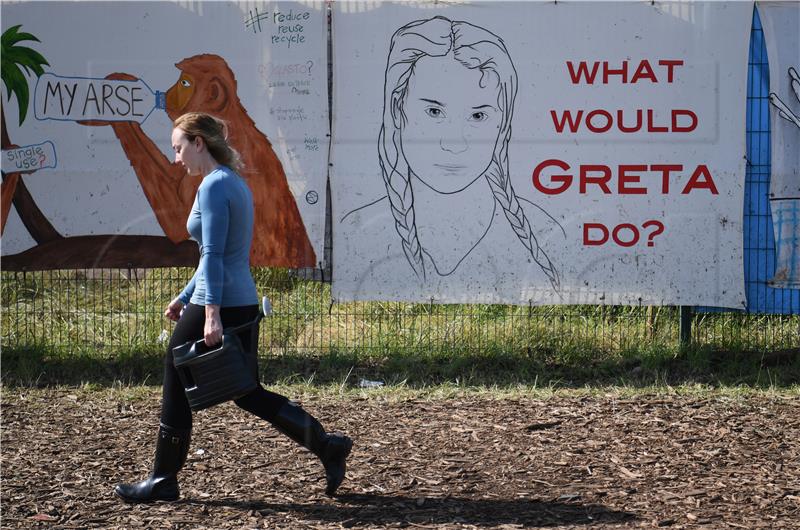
[
  {"x": 448, "y": 103},
  {"x": 451, "y": 123}
]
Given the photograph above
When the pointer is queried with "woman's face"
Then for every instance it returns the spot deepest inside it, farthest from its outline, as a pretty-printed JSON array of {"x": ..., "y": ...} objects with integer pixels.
[
  {"x": 187, "y": 153},
  {"x": 452, "y": 123}
]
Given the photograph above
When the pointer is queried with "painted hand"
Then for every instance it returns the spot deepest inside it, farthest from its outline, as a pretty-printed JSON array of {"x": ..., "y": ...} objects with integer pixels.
[
  {"x": 117, "y": 76},
  {"x": 783, "y": 108}
]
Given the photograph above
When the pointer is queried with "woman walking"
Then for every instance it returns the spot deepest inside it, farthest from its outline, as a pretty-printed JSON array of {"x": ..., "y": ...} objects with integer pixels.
[{"x": 221, "y": 294}]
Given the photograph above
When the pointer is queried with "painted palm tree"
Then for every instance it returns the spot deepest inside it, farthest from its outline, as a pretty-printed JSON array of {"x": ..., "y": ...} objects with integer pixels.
[
  {"x": 15, "y": 58},
  {"x": 52, "y": 250}
]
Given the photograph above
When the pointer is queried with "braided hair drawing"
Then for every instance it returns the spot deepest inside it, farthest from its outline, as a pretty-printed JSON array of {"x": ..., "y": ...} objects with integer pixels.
[{"x": 474, "y": 48}]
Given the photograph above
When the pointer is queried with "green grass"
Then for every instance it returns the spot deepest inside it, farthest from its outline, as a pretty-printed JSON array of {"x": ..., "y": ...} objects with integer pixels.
[
  {"x": 37, "y": 366},
  {"x": 103, "y": 327}
]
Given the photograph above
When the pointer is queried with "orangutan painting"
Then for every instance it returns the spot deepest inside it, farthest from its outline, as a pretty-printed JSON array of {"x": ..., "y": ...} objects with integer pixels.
[{"x": 206, "y": 83}]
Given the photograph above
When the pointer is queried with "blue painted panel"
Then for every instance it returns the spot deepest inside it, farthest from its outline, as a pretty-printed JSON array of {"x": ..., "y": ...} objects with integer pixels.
[{"x": 759, "y": 241}]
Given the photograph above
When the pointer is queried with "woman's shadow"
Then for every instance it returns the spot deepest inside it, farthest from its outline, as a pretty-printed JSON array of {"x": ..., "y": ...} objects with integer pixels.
[{"x": 375, "y": 509}]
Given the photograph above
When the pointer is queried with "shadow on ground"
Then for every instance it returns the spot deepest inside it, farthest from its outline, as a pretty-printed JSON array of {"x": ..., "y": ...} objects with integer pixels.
[{"x": 372, "y": 509}]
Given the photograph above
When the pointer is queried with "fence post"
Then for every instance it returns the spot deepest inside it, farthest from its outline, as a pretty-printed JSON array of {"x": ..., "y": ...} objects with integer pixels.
[{"x": 686, "y": 325}]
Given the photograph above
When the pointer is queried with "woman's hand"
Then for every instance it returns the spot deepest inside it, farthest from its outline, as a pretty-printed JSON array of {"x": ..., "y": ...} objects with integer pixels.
[
  {"x": 212, "y": 333},
  {"x": 173, "y": 310}
]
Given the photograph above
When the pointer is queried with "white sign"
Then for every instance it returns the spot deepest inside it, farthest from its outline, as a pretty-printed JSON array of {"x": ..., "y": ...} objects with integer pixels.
[
  {"x": 540, "y": 153},
  {"x": 29, "y": 158},
  {"x": 114, "y": 77},
  {"x": 78, "y": 98},
  {"x": 781, "y": 24}
]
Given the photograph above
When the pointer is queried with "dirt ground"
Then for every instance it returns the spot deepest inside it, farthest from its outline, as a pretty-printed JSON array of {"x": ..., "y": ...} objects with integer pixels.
[{"x": 466, "y": 462}]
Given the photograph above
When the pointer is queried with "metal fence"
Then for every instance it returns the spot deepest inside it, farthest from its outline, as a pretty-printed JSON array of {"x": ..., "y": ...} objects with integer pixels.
[{"x": 112, "y": 309}]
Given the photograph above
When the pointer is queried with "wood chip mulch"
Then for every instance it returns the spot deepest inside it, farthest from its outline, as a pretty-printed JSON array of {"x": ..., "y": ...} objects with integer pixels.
[{"x": 468, "y": 462}]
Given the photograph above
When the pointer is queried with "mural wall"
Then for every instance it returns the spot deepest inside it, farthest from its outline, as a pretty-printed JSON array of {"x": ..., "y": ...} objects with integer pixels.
[
  {"x": 540, "y": 153},
  {"x": 88, "y": 173},
  {"x": 781, "y": 22},
  {"x": 531, "y": 153}
]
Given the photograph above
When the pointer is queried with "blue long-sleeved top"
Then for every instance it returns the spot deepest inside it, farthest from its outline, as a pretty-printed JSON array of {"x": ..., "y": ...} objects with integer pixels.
[{"x": 221, "y": 221}]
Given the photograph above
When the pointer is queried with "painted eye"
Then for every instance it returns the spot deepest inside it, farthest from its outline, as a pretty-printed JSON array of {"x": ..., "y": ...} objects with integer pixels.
[
  {"x": 185, "y": 83},
  {"x": 478, "y": 116},
  {"x": 434, "y": 112}
]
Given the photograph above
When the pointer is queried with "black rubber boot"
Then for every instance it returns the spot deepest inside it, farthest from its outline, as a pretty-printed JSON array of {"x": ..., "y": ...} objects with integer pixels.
[
  {"x": 331, "y": 448},
  {"x": 172, "y": 446}
]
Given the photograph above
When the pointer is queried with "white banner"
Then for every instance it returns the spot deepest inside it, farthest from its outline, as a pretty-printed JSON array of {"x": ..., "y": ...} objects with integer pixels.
[
  {"x": 781, "y": 24},
  {"x": 539, "y": 152},
  {"x": 113, "y": 77}
]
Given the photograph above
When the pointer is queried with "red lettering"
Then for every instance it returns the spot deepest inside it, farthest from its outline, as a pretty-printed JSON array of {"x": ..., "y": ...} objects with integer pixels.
[
  {"x": 659, "y": 228},
  {"x": 670, "y": 64},
  {"x": 683, "y": 128},
  {"x": 583, "y": 71},
  {"x": 644, "y": 70},
  {"x": 596, "y": 234},
  {"x": 587, "y": 240},
  {"x": 665, "y": 170},
  {"x": 594, "y": 128},
  {"x": 565, "y": 180},
  {"x": 651, "y": 127},
  {"x": 696, "y": 183},
  {"x": 622, "y": 72},
  {"x": 566, "y": 119},
  {"x": 626, "y": 129},
  {"x": 626, "y": 178},
  {"x": 625, "y": 226},
  {"x": 600, "y": 121},
  {"x": 600, "y": 180}
]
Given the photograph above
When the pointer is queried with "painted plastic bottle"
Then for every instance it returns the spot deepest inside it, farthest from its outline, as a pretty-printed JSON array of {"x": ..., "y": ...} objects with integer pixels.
[{"x": 84, "y": 98}]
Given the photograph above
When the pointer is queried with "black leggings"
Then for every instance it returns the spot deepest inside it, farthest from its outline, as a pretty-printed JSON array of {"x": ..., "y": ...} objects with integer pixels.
[{"x": 175, "y": 410}]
